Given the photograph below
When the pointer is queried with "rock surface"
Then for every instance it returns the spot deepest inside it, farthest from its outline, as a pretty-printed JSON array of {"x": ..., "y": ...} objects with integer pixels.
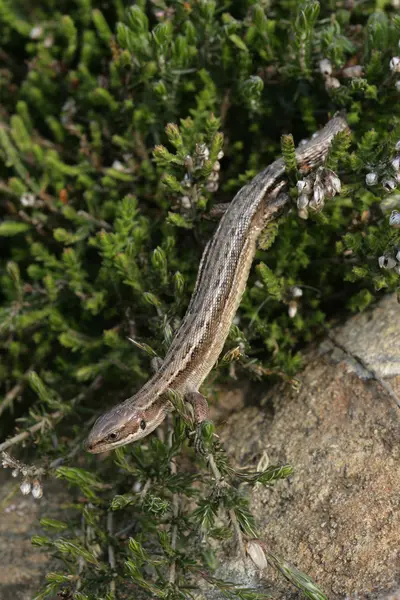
[
  {"x": 22, "y": 567},
  {"x": 338, "y": 517}
]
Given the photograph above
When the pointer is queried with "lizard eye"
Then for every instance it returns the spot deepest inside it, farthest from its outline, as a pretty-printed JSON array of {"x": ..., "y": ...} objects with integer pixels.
[
  {"x": 112, "y": 436},
  {"x": 142, "y": 424}
]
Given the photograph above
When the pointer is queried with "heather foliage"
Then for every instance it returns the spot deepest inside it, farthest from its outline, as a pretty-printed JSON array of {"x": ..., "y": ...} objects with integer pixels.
[{"x": 122, "y": 125}]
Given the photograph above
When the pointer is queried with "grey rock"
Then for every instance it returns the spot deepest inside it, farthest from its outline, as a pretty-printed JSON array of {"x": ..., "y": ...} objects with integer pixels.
[{"x": 337, "y": 518}]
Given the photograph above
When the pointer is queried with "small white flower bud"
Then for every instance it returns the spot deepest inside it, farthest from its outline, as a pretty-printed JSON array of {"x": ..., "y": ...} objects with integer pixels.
[
  {"x": 185, "y": 202},
  {"x": 292, "y": 310},
  {"x": 216, "y": 166},
  {"x": 188, "y": 162},
  {"x": 257, "y": 554},
  {"x": 331, "y": 83},
  {"x": 220, "y": 155},
  {"x": 303, "y": 213},
  {"x": 212, "y": 186},
  {"x": 352, "y": 72},
  {"x": 15, "y": 473},
  {"x": 213, "y": 176},
  {"x": 394, "y": 219},
  {"x": 304, "y": 186},
  {"x": 398, "y": 256},
  {"x": 36, "y": 32},
  {"x": 4, "y": 463},
  {"x": 371, "y": 178},
  {"x": 335, "y": 182},
  {"x": 48, "y": 41},
  {"x": 37, "y": 490},
  {"x": 186, "y": 181},
  {"x": 325, "y": 66},
  {"x": 386, "y": 262},
  {"x": 296, "y": 292},
  {"x": 28, "y": 200},
  {"x": 25, "y": 487},
  {"x": 397, "y": 146},
  {"x": 118, "y": 166},
  {"x": 395, "y": 64},
  {"x": 389, "y": 185},
  {"x": 318, "y": 195},
  {"x": 397, "y": 85},
  {"x": 396, "y": 163},
  {"x": 302, "y": 201}
]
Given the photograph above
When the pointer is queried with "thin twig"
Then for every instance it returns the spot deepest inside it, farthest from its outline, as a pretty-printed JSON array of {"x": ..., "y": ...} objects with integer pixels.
[
  {"x": 40, "y": 425},
  {"x": 175, "y": 512},
  {"x": 238, "y": 532},
  {"x": 218, "y": 478},
  {"x": 111, "y": 553},
  {"x": 49, "y": 420},
  {"x": 10, "y": 396}
]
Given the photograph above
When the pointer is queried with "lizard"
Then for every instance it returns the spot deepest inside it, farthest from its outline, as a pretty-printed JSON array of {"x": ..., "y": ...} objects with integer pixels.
[{"x": 221, "y": 281}]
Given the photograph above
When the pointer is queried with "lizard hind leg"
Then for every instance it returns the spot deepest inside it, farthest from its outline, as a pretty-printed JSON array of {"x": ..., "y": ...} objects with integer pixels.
[{"x": 204, "y": 430}]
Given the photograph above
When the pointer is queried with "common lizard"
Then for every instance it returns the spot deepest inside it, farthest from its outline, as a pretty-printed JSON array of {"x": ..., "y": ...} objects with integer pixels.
[{"x": 221, "y": 281}]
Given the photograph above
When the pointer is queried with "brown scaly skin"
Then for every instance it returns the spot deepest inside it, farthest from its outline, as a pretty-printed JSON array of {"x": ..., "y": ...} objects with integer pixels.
[{"x": 221, "y": 281}]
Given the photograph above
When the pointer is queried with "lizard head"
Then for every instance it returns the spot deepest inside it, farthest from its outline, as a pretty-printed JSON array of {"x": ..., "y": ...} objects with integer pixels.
[{"x": 122, "y": 425}]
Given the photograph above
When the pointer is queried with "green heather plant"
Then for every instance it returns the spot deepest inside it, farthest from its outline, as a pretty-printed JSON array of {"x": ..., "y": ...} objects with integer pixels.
[{"x": 106, "y": 108}]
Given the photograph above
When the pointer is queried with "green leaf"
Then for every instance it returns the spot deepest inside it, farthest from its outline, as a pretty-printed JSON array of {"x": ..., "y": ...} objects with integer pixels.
[
  {"x": 11, "y": 228},
  {"x": 239, "y": 43}
]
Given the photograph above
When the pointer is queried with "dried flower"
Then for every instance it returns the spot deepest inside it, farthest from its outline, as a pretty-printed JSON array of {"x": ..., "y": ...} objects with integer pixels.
[
  {"x": 394, "y": 219},
  {"x": 317, "y": 201},
  {"x": 212, "y": 186},
  {"x": 371, "y": 178},
  {"x": 256, "y": 552},
  {"x": 28, "y": 200},
  {"x": 303, "y": 213},
  {"x": 389, "y": 185},
  {"x": 186, "y": 181},
  {"x": 304, "y": 186},
  {"x": 395, "y": 64},
  {"x": 396, "y": 163},
  {"x": 185, "y": 202},
  {"x": 302, "y": 201},
  {"x": 296, "y": 291},
  {"x": 214, "y": 176},
  {"x": 352, "y": 72},
  {"x": 188, "y": 162},
  {"x": 386, "y": 262},
  {"x": 292, "y": 310},
  {"x": 25, "y": 487},
  {"x": 37, "y": 490},
  {"x": 325, "y": 66},
  {"x": 36, "y": 32},
  {"x": 331, "y": 83},
  {"x": 333, "y": 185}
]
